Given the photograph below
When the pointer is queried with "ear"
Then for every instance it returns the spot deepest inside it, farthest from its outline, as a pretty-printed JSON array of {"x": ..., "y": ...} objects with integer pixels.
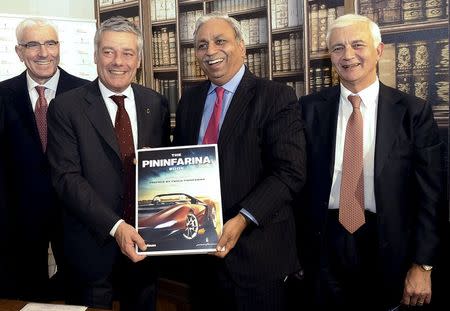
[
  {"x": 95, "y": 57},
  {"x": 19, "y": 52},
  {"x": 242, "y": 48},
  {"x": 380, "y": 49}
]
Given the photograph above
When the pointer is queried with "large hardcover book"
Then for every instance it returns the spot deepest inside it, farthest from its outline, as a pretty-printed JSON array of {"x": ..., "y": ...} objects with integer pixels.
[{"x": 179, "y": 207}]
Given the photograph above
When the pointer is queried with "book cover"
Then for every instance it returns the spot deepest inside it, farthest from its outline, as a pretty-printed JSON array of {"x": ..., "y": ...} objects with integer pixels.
[{"x": 179, "y": 207}]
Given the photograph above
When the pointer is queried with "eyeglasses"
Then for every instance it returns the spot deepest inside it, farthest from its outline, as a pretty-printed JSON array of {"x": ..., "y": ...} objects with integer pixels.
[{"x": 35, "y": 46}]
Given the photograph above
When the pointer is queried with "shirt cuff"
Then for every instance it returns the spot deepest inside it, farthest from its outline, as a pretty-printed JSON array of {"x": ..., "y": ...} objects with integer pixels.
[
  {"x": 249, "y": 216},
  {"x": 113, "y": 230}
]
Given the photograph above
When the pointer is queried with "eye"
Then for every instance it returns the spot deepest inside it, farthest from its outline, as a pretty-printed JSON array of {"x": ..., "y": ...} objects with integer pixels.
[
  {"x": 32, "y": 45},
  {"x": 358, "y": 45},
  {"x": 51, "y": 43},
  {"x": 108, "y": 53},
  {"x": 337, "y": 49},
  {"x": 220, "y": 41},
  {"x": 202, "y": 46}
]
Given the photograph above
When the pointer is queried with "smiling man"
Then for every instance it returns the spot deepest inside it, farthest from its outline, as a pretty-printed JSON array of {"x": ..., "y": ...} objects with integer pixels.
[
  {"x": 29, "y": 208},
  {"x": 373, "y": 198},
  {"x": 93, "y": 134},
  {"x": 257, "y": 126}
]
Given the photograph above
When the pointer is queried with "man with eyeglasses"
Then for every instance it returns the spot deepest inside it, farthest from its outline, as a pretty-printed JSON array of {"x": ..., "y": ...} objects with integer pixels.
[{"x": 29, "y": 208}]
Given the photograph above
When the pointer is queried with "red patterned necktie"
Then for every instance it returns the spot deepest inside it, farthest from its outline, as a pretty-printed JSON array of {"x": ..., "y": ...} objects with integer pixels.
[
  {"x": 40, "y": 112},
  {"x": 351, "y": 205},
  {"x": 122, "y": 127},
  {"x": 212, "y": 131}
]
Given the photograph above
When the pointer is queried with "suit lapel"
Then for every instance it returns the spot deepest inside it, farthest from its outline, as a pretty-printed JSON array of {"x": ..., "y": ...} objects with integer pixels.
[
  {"x": 389, "y": 118},
  {"x": 196, "y": 106},
  {"x": 144, "y": 118},
  {"x": 245, "y": 93},
  {"x": 24, "y": 106},
  {"x": 98, "y": 115},
  {"x": 327, "y": 111}
]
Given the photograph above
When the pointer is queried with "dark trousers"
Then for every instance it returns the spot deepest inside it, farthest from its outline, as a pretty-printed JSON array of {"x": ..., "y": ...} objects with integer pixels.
[
  {"x": 213, "y": 288},
  {"x": 350, "y": 274},
  {"x": 133, "y": 284}
]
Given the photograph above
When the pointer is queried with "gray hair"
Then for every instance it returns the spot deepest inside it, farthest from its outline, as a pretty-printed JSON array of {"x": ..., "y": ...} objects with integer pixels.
[
  {"x": 215, "y": 15},
  {"x": 352, "y": 19},
  {"x": 32, "y": 22},
  {"x": 119, "y": 24}
]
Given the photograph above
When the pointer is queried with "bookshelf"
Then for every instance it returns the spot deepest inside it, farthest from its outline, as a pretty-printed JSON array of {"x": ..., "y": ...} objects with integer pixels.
[
  {"x": 415, "y": 58},
  {"x": 273, "y": 32},
  {"x": 285, "y": 41}
]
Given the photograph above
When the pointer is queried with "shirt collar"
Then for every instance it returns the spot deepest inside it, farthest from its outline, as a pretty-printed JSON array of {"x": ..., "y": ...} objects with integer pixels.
[
  {"x": 231, "y": 85},
  {"x": 106, "y": 93},
  {"x": 51, "y": 84},
  {"x": 368, "y": 95}
]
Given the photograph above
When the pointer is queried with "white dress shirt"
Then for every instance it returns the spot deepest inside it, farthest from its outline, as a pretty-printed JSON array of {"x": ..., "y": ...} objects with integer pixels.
[
  {"x": 50, "y": 88},
  {"x": 130, "y": 107},
  {"x": 369, "y": 108}
]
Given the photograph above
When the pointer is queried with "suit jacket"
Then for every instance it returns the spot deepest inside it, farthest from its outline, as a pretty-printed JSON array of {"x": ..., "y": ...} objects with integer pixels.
[
  {"x": 407, "y": 180},
  {"x": 87, "y": 169},
  {"x": 28, "y": 203},
  {"x": 262, "y": 165}
]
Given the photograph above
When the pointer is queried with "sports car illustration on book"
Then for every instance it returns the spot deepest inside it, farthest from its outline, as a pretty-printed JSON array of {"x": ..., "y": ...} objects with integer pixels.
[{"x": 175, "y": 214}]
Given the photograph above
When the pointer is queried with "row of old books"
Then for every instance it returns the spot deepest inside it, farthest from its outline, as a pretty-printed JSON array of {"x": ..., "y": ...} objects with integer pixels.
[
  {"x": 190, "y": 67},
  {"x": 286, "y": 13},
  {"x": 419, "y": 68},
  {"x": 164, "y": 47},
  {"x": 135, "y": 20},
  {"x": 385, "y": 12},
  {"x": 288, "y": 53},
  {"x": 254, "y": 30},
  {"x": 257, "y": 62},
  {"x": 237, "y": 5},
  {"x": 168, "y": 88},
  {"x": 103, "y": 3},
  {"x": 321, "y": 76},
  {"x": 187, "y": 23},
  {"x": 161, "y": 10},
  {"x": 320, "y": 17}
]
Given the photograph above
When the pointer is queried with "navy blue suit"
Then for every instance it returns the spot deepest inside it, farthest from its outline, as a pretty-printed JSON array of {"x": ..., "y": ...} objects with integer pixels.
[{"x": 29, "y": 208}]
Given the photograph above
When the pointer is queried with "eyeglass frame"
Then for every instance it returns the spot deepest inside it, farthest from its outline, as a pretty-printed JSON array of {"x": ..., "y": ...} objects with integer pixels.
[{"x": 35, "y": 45}]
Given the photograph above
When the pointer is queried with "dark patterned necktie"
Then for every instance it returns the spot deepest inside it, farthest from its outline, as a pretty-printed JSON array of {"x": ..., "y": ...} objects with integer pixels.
[
  {"x": 40, "y": 112},
  {"x": 122, "y": 127},
  {"x": 351, "y": 205},
  {"x": 212, "y": 131}
]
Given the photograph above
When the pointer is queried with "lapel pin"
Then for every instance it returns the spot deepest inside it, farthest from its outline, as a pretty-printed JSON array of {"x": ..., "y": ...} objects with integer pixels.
[{"x": 147, "y": 110}]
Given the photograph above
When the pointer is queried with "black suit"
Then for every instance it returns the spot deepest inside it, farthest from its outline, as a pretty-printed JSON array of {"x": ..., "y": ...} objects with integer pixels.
[
  {"x": 262, "y": 165},
  {"x": 407, "y": 183},
  {"x": 29, "y": 209},
  {"x": 87, "y": 173}
]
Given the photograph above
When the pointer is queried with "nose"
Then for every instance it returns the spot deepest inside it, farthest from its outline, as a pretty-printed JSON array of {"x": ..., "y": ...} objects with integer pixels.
[
  {"x": 212, "y": 48},
  {"x": 43, "y": 51},
  {"x": 118, "y": 59},
  {"x": 349, "y": 53}
]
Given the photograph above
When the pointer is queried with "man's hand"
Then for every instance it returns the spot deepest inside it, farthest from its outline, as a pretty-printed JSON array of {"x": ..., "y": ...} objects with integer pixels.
[
  {"x": 417, "y": 290},
  {"x": 127, "y": 236},
  {"x": 232, "y": 230}
]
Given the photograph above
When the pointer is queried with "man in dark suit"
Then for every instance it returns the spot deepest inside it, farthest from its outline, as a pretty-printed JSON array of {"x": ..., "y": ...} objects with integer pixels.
[
  {"x": 384, "y": 258},
  {"x": 262, "y": 165},
  {"x": 92, "y": 165},
  {"x": 29, "y": 210}
]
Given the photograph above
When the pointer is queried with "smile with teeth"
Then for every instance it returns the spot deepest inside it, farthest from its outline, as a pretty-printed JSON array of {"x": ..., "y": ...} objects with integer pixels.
[
  {"x": 116, "y": 72},
  {"x": 43, "y": 62},
  {"x": 350, "y": 66},
  {"x": 215, "y": 61}
]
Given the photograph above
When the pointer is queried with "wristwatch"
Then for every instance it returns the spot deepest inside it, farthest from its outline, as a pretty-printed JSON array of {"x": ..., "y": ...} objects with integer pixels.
[{"x": 426, "y": 267}]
